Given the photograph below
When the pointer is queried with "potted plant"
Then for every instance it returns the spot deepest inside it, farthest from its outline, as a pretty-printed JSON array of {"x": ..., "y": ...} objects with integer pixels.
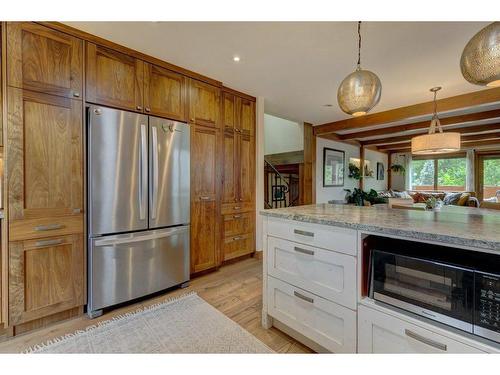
[
  {"x": 354, "y": 172},
  {"x": 397, "y": 168},
  {"x": 359, "y": 197}
]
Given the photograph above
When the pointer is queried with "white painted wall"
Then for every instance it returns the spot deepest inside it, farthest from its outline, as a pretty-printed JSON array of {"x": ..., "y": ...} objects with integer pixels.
[
  {"x": 398, "y": 179},
  {"x": 282, "y": 135},
  {"x": 324, "y": 194},
  {"x": 373, "y": 183}
]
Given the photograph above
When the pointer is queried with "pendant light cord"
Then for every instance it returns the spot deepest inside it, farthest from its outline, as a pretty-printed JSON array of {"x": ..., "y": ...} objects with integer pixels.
[{"x": 359, "y": 45}]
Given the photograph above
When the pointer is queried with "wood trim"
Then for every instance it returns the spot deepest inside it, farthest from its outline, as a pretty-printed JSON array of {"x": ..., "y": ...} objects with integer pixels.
[
  {"x": 472, "y": 99},
  {"x": 129, "y": 51},
  {"x": 283, "y": 158},
  {"x": 389, "y": 171},
  {"x": 465, "y": 139},
  {"x": 447, "y": 121},
  {"x": 407, "y": 137},
  {"x": 466, "y": 145},
  {"x": 361, "y": 166},
  {"x": 4, "y": 235},
  {"x": 238, "y": 93},
  {"x": 309, "y": 181}
]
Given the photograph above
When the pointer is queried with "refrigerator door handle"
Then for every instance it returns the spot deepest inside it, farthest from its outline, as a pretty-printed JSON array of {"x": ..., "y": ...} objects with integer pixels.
[
  {"x": 126, "y": 239},
  {"x": 143, "y": 174},
  {"x": 154, "y": 195}
]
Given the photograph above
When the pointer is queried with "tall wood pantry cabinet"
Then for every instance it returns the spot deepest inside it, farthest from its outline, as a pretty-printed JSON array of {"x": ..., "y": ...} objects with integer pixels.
[
  {"x": 44, "y": 149},
  {"x": 238, "y": 182}
]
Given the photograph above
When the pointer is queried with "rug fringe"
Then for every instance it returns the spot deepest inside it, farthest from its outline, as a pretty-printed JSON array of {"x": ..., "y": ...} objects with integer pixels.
[{"x": 34, "y": 348}]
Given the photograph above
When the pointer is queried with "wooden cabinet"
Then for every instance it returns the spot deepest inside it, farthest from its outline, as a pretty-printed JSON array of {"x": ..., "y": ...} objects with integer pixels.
[
  {"x": 238, "y": 182},
  {"x": 164, "y": 93},
  {"x": 44, "y": 60},
  {"x": 114, "y": 79},
  {"x": 46, "y": 276},
  {"x": 44, "y": 171},
  {"x": 204, "y": 104},
  {"x": 204, "y": 223}
]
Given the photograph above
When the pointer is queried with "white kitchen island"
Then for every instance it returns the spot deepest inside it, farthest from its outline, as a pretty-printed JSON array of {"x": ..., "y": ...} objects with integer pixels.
[{"x": 314, "y": 270}]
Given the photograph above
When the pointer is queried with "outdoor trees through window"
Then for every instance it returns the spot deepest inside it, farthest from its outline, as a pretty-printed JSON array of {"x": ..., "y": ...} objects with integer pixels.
[{"x": 443, "y": 174}]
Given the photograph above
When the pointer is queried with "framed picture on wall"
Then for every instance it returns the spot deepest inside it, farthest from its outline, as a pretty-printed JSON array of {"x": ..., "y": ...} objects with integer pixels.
[
  {"x": 333, "y": 167},
  {"x": 380, "y": 171}
]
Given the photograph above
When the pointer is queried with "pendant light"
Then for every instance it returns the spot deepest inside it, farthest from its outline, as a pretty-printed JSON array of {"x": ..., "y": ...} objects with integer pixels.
[
  {"x": 435, "y": 143},
  {"x": 360, "y": 91},
  {"x": 480, "y": 61}
]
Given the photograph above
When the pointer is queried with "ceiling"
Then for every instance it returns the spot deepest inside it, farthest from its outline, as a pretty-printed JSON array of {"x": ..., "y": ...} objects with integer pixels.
[{"x": 297, "y": 66}]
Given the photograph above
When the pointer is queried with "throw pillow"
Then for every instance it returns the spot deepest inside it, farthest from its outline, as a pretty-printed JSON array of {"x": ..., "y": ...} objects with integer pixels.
[
  {"x": 464, "y": 198},
  {"x": 452, "y": 198},
  {"x": 419, "y": 198}
]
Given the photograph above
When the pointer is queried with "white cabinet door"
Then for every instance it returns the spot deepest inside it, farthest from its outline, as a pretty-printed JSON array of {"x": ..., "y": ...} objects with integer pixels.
[
  {"x": 342, "y": 240},
  {"x": 330, "y": 325},
  {"x": 325, "y": 273},
  {"x": 383, "y": 333}
]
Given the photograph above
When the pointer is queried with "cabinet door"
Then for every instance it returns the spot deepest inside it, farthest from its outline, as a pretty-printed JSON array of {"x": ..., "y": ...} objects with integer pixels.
[
  {"x": 204, "y": 252},
  {"x": 237, "y": 246},
  {"x": 230, "y": 168},
  {"x": 246, "y": 165},
  {"x": 164, "y": 93},
  {"x": 44, "y": 173},
  {"x": 42, "y": 59},
  {"x": 114, "y": 79},
  {"x": 229, "y": 111},
  {"x": 204, "y": 104},
  {"x": 46, "y": 276},
  {"x": 246, "y": 117}
]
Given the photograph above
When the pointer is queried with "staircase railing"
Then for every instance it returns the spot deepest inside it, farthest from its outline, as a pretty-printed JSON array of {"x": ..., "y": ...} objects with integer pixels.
[{"x": 279, "y": 196}]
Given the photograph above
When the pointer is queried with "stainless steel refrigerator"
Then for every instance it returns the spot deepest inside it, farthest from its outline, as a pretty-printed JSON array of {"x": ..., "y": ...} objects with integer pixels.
[{"x": 138, "y": 200}]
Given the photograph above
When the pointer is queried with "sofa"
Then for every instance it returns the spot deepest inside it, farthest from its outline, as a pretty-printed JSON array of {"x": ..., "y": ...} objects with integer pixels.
[{"x": 464, "y": 198}]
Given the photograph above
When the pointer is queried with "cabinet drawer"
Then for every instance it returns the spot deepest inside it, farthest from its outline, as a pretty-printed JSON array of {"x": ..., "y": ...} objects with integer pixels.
[
  {"x": 236, "y": 246},
  {"x": 326, "y": 323},
  {"x": 49, "y": 226},
  {"x": 342, "y": 240},
  {"x": 326, "y": 273},
  {"x": 234, "y": 208},
  {"x": 384, "y": 333},
  {"x": 235, "y": 224}
]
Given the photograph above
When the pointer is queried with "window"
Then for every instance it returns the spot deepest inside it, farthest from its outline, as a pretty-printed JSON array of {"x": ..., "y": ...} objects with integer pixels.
[
  {"x": 488, "y": 182},
  {"x": 442, "y": 174}
]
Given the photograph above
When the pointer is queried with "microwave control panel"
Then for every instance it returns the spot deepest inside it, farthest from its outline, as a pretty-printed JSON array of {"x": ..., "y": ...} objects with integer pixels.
[{"x": 488, "y": 302}]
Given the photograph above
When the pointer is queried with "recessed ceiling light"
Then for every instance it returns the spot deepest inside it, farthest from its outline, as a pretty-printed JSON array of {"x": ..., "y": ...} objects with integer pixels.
[{"x": 236, "y": 58}]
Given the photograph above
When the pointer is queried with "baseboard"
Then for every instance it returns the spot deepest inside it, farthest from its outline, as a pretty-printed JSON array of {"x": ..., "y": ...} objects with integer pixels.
[
  {"x": 259, "y": 254},
  {"x": 299, "y": 337}
]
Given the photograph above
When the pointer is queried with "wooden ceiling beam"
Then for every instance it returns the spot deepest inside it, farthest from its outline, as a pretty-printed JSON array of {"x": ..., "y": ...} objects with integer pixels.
[
  {"x": 472, "y": 99},
  {"x": 407, "y": 137},
  {"x": 452, "y": 120},
  {"x": 469, "y": 144}
]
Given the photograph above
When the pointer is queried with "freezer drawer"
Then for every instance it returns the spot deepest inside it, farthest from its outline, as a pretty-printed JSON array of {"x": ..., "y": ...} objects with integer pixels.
[{"x": 128, "y": 266}]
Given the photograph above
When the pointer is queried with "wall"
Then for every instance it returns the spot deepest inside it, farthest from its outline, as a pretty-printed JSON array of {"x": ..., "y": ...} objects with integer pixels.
[
  {"x": 259, "y": 170},
  {"x": 373, "y": 183},
  {"x": 282, "y": 135},
  {"x": 324, "y": 194},
  {"x": 398, "y": 179}
]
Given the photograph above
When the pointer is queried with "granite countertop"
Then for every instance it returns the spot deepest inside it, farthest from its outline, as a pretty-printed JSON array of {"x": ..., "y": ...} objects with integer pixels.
[{"x": 466, "y": 226}]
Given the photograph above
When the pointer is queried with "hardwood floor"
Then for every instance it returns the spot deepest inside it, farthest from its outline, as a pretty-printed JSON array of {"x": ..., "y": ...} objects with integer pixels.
[{"x": 235, "y": 290}]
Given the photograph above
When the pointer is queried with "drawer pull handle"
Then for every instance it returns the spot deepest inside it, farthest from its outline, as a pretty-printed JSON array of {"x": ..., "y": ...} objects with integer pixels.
[
  {"x": 237, "y": 238},
  {"x": 425, "y": 340},
  {"x": 236, "y": 216},
  {"x": 43, "y": 228},
  {"x": 303, "y": 233},
  {"x": 237, "y": 207},
  {"x": 204, "y": 198},
  {"x": 303, "y": 251},
  {"x": 48, "y": 243},
  {"x": 303, "y": 297}
]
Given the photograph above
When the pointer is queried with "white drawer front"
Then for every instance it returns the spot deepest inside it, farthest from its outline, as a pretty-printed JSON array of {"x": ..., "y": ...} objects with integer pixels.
[
  {"x": 342, "y": 240},
  {"x": 325, "y": 273},
  {"x": 326, "y": 323},
  {"x": 384, "y": 333}
]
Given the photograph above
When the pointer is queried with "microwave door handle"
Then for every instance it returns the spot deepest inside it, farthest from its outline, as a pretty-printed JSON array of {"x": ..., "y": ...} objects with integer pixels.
[
  {"x": 154, "y": 197},
  {"x": 143, "y": 174}
]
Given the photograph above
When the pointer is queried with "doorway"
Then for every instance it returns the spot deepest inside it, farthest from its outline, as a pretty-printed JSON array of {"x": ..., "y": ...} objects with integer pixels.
[{"x": 488, "y": 176}]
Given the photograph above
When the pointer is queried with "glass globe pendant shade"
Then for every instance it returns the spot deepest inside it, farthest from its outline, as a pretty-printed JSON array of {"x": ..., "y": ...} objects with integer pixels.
[
  {"x": 480, "y": 61},
  {"x": 359, "y": 92}
]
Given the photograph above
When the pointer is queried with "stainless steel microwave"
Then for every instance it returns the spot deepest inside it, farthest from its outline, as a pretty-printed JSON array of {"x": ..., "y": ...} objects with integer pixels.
[{"x": 455, "y": 291}]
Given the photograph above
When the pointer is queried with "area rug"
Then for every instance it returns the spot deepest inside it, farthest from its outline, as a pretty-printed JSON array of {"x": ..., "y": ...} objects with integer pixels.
[{"x": 186, "y": 324}]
